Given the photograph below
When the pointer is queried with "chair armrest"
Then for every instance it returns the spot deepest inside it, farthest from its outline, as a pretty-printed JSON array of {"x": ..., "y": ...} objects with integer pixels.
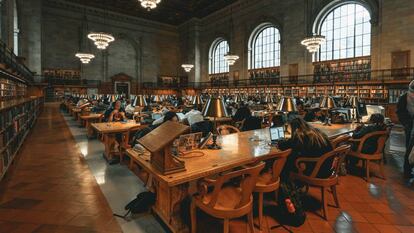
[
  {"x": 301, "y": 163},
  {"x": 202, "y": 185}
]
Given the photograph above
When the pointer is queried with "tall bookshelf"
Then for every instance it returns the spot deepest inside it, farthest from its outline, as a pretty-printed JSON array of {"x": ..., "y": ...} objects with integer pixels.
[
  {"x": 221, "y": 79},
  {"x": 17, "y": 117},
  {"x": 10, "y": 89},
  {"x": 342, "y": 70}
]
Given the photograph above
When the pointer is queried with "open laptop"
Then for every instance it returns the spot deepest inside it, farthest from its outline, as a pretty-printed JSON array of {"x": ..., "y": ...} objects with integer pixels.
[{"x": 276, "y": 134}]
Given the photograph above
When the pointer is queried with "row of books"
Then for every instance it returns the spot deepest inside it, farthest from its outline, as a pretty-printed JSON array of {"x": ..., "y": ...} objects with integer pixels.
[
  {"x": 15, "y": 123},
  {"x": 10, "y": 89}
]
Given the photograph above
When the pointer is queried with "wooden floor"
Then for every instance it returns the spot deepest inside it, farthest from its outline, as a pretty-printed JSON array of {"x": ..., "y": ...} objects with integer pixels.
[{"x": 51, "y": 189}]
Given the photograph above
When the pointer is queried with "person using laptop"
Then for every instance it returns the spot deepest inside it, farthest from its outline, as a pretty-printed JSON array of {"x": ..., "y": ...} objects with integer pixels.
[{"x": 306, "y": 141}]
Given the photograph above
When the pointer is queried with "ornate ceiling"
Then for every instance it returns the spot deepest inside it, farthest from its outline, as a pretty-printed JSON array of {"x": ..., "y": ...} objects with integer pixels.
[{"x": 172, "y": 12}]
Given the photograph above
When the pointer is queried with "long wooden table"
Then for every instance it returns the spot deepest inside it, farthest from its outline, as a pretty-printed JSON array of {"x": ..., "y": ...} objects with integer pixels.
[
  {"x": 237, "y": 150},
  {"x": 109, "y": 131},
  {"x": 89, "y": 119}
]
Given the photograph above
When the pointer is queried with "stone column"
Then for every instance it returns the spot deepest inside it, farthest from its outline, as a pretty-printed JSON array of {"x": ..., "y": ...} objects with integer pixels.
[{"x": 30, "y": 20}]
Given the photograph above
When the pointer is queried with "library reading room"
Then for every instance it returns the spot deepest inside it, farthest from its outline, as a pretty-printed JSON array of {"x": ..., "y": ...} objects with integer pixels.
[{"x": 206, "y": 116}]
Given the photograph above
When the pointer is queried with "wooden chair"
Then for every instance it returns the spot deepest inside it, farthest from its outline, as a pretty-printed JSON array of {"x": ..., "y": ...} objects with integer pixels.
[
  {"x": 378, "y": 155},
  {"x": 338, "y": 155},
  {"x": 269, "y": 181},
  {"x": 340, "y": 140},
  {"x": 227, "y": 201},
  {"x": 227, "y": 129}
]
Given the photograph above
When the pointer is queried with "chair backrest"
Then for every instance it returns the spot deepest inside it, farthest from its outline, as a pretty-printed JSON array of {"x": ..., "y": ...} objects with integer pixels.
[
  {"x": 279, "y": 163},
  {"x": 338, "y": 155},
  {"x": 227, "y": 129},
  {"x": 340, "y": 140},
  {"x": 382, "y": 139},
  {"x": 248, "y": 177}
]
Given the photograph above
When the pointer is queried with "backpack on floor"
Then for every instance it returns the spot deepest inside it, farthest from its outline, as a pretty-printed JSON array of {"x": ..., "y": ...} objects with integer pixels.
[
  {"x": 290, "y": 202},
  {"x": 140, "y": 204}
]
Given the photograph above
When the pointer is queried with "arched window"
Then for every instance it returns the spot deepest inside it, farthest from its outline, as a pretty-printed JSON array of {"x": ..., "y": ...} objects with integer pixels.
[
  {"x": 15, "y": 29},
  {"x": 347, "y": 30},
  {"x": 264, "y": 47},
  {"x": 218, "y": 64}
]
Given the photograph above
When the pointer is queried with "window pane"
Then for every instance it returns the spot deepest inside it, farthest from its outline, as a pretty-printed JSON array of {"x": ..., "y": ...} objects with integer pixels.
[
  {"x": 266, "y": 48},
  {"x": 218, "y": 63},
  {"x": 347, "y": 30}
]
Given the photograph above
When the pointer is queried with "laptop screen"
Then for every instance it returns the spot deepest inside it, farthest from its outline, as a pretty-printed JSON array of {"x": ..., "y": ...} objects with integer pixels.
[
  {"x": 156, "y": 116},
  {"x": 276, "y": 133}
]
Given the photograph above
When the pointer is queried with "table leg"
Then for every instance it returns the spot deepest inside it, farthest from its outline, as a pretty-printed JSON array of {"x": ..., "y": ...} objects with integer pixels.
[
  {"x": 168, "y": 207},
  {"x": 89, "y": 128},
  {"x": 110, "y": 142}
]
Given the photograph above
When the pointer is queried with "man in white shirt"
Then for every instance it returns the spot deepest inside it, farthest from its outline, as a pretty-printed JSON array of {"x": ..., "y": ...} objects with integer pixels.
[{"x": 193, "y": 116}]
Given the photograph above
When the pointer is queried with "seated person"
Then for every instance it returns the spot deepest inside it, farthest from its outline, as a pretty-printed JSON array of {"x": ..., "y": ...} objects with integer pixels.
[
  {"x": 117, "y": 114},
  {"x": 201, "y": 125},
  {"x": 251, "y": 123},
  {"x": 129, "y": 109},
  {"x": 242, "y": 113},
  {"x": 376, "y": 123},
  {"x": 98, "y": 106},
  {"x": 314, "y": 115},
  {"x": 160, "y": 120},
  {"x": 81, "y": 102},
  {"x": 306, "y": 141}
]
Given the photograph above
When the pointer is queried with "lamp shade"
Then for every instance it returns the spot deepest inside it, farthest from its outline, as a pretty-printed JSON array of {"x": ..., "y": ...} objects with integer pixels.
[
  {"x": 353, "y": 101},
  {"x": 140, "y": 101},
  {"x": 327, "y": 102},
  {"x": 197, "y": 100},
  {"x": 113, "y": 99},
  {"x": 269, "y": 98},
  {"x": 286, "y": 104},
  {"x": 157, "y": 99},
  {"x": 215, "y": 107},
  {"x": 237, "y": 98}
]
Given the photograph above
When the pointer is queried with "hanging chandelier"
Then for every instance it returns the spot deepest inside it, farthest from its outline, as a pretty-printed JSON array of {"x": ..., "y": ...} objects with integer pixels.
[
  {"x": 187, "y": 67},
  {"x": 101, "y": 39},
  {"x": 231, "y": 58},
  {"x": 312, "y": 43},
  {"x": 85, "y": 57},
  {"x": 149, "y": 4}
]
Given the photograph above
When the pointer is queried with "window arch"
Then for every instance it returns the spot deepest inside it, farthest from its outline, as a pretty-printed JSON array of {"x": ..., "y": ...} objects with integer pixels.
[
  {"x": 218, "y": 64},
  {"x": 347, "y": 29},
  {"x": 264, "y": 47}
]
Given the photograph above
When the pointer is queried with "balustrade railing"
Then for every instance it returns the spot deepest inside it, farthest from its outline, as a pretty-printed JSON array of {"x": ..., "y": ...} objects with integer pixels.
[{"x": 11, "y": 61}]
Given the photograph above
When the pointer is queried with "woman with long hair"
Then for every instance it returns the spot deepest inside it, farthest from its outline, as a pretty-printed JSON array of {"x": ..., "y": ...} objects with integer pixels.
[{"x": 306, "y": 141}]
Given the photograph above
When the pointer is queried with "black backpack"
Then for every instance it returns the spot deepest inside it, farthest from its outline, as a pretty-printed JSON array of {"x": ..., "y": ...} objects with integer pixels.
[
  {"x": 290, "y": 202},
  {"x": 140, "y": 204}
]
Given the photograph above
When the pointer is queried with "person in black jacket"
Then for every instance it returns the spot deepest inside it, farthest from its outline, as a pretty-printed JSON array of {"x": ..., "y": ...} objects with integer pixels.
[
  {"x": 242, "y": 113},
  {"x": 370, "y": 146},
  {"x": 306, "y": 141},
  {"x": 405, "y": 113}
]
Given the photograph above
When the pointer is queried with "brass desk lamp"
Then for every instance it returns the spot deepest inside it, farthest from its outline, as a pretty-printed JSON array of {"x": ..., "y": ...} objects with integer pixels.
[
  {"x": 326, "y": 104},
  {"x": 215, "y": 107}
]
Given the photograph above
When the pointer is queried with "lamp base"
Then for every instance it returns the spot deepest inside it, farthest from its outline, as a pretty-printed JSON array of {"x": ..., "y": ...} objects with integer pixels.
[
  {"x": 327, "y": 122},
  {"x": 214, "y": 146}
]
